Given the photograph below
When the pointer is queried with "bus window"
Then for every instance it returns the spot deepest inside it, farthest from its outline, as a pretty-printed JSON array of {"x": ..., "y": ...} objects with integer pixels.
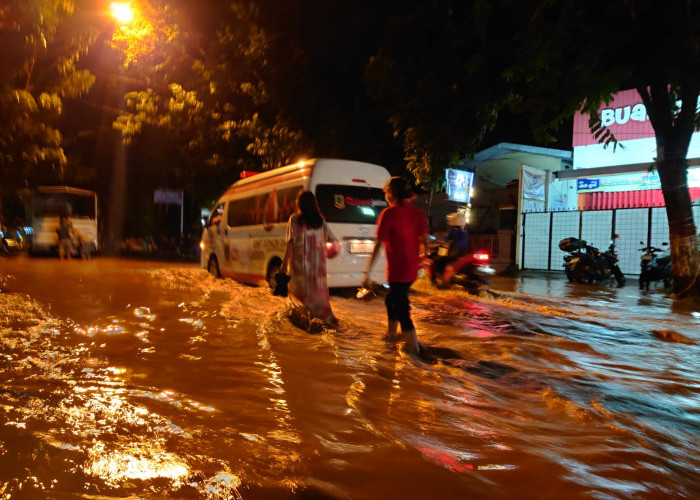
[{"x": 47, "y": 204}]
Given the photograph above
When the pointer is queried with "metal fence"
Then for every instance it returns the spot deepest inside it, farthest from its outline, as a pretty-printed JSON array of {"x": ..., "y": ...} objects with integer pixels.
[
  {"x": 484, "y": 242},
  {"x": 542, "y": 232}
]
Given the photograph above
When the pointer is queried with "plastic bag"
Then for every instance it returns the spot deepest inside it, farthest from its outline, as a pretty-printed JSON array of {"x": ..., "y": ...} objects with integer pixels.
[{"x": 281, "y": 283}]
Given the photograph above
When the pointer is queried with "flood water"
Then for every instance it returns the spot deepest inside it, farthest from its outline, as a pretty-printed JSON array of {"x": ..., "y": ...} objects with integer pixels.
[{"x": 128, "y": 379}]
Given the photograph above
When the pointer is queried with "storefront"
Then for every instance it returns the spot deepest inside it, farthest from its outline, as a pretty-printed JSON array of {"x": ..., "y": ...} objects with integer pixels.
[{"x": 622, "y": 176}]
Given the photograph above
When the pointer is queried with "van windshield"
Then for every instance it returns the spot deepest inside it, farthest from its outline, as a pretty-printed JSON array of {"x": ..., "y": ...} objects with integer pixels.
[{"x": 353, "y": 204}]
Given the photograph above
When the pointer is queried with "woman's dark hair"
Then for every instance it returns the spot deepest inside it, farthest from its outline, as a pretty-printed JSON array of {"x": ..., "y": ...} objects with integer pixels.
[
  {"x": 307, "y": 208},
  {"x": 399, "y": 187}
]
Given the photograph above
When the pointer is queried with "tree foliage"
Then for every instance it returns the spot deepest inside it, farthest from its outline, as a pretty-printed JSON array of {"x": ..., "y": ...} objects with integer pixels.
[
  {"x": 42, "y": 43},
  {"x": 429, "y": 84},
  {"x": 212, "y": 97},
  {"x": 650, "y": 46},
  {"x": 546, "y": 59}
]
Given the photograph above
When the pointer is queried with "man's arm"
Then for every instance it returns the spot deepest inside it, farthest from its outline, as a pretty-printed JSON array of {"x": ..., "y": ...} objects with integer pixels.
[{"x": 375, "y": 252}]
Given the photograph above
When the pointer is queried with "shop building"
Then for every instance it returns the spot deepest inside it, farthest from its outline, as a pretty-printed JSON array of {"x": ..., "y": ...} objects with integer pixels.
[{"x": 594, "y": 193}]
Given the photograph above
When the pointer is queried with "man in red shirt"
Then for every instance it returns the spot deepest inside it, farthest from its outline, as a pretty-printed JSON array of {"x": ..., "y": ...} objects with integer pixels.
[{"x": 401, "y": 227}]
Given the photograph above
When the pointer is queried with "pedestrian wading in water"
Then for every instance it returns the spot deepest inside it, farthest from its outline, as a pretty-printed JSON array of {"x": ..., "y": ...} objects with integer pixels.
[
  {"x": 65, "y": 233},
  {"x": 403, "y": 230},
  {"x": 305, "y": 258}
]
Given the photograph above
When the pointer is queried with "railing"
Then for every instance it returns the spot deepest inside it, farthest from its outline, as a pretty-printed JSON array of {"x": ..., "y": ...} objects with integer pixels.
[
  {"x": 486, "y": 242},
  {"x": 630, "y": 228}
]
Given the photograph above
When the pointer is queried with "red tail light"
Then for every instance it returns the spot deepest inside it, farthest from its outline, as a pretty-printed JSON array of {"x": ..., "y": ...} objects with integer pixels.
[
  {"x": 331, "y": 249},
  {"x": 482, "y": 256}
]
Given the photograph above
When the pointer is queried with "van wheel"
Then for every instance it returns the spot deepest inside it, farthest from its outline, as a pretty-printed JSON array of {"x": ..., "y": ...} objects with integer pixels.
[
  {"x": 272, "y": 269},
  {"x": 213, "y": 267}
]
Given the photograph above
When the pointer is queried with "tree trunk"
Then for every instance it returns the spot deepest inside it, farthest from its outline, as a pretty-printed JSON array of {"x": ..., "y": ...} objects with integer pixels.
[{"x": 673, "y": 173}]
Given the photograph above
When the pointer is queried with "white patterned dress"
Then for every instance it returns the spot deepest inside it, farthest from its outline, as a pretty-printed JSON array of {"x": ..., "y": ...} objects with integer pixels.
[{"x": 308, "y": 282}]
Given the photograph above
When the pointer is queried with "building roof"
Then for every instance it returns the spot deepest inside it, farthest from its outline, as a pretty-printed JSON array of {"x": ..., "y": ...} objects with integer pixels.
[{"x": 497, "y": 166}]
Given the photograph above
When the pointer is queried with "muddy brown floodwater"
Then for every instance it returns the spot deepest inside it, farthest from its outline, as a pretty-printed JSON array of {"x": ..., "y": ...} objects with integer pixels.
[{"x": 121, "y": 378}]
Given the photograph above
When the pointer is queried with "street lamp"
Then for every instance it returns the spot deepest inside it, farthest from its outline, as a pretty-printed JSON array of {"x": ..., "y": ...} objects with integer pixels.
[
  {"x": 124, "y": 15},
  {"x": 122, "y": 12}
]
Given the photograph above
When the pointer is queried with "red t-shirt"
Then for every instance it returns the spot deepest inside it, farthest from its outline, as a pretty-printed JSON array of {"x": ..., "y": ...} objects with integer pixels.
[{"x": 400, "y": 227}]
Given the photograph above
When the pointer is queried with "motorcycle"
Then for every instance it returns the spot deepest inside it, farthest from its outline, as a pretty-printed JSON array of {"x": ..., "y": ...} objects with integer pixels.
[
  {"x": 655, "y": 266},
  {"x": 587, "y": 264},
  {"x": 470, "y": 271},
  {"x": 11, "y": 243}
]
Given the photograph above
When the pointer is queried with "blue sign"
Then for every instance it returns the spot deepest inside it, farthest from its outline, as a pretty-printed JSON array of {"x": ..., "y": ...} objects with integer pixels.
[
  {"x": 584, "y": 184},
  {"x": 167, "y": 196}
]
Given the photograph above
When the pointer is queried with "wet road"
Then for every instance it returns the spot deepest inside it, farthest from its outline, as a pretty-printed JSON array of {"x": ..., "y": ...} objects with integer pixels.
[{"x": 122, "y": 378}]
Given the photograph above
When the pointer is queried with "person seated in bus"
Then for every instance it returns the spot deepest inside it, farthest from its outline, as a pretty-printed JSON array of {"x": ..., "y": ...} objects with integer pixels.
[
  {"x": 305, "y": 257},
  {"x": 65, "y": 237}
]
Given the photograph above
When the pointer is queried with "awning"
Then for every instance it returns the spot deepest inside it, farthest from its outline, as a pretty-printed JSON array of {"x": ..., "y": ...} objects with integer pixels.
[
  {"x": 498, "y": 165},
  {"x": 627, "y": 199}
]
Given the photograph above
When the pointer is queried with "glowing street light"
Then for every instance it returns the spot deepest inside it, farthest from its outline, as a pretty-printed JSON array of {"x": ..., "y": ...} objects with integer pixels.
[{"x": 122, "y": 12}]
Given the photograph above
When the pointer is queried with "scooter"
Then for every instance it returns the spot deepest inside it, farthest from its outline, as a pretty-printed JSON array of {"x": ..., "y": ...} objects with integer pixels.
[
  {"x": 10, "y": 243},
  {"x": 587, "y": 264},
  {"x": 470, "y": 271},
  {"x": 655, "y": 266}
]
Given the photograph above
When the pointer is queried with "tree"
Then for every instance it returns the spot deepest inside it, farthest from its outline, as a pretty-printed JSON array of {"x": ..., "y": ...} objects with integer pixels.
[
  {"x": 42, "y": 43},
  {"x": 318, "y": 53},
  {"x": 577, "y": 54},
  {"x": 426, "y": 81},
  {"x": 210, "y": 95},
  {"x": 548, "y": 59}
]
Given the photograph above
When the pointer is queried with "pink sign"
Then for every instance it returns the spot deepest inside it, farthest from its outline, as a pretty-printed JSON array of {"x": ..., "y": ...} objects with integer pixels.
[{"x": 626, "y": 117}]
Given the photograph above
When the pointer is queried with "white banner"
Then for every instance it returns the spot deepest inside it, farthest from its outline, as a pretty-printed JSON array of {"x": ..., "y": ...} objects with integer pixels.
[{"x": 533, "y": 189}]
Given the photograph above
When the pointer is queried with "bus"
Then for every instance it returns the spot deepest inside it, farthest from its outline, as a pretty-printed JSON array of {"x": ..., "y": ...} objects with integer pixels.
[
  {"x": 244, "y": 236},
  {"x": 48, "y": 203}
]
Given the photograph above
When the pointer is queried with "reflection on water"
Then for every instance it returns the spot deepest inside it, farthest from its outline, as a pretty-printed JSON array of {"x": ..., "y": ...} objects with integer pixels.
[{"x": 120, "y": 378}]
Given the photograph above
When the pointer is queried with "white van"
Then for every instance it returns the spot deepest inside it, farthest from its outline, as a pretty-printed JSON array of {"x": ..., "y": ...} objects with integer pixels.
[{"x": 244, "y": 237}]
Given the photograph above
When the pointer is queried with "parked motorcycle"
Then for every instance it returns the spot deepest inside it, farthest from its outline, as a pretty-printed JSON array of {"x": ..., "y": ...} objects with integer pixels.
[
  {"x": 471, "y": 270},
  {"x": 11, "y": 243},
  {"x": 587, "y": 264},
  {"x": 655, "y": 266}
]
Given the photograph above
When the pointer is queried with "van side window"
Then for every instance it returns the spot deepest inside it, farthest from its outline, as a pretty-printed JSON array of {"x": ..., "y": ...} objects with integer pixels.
[
  {"x": 286, "y": 201},
  {"x": 239, "y": 212},
  {"x": 260, "y": 209},
  {"x": 216, "y": 215}
]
